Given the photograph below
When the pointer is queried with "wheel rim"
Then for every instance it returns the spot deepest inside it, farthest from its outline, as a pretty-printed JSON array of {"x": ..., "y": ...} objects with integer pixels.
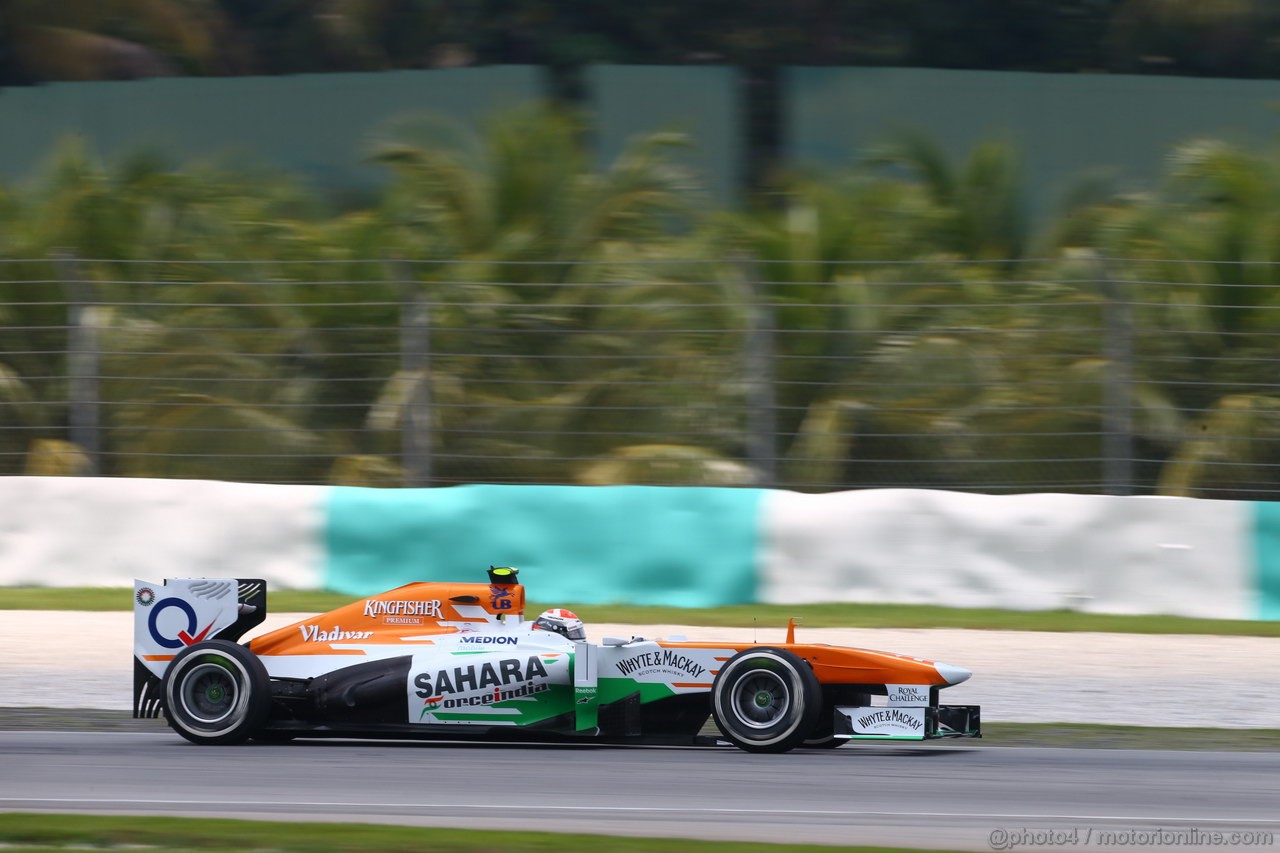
[
  {"x": 761, "y": 700},
  {"x": 209, "y": 693}
]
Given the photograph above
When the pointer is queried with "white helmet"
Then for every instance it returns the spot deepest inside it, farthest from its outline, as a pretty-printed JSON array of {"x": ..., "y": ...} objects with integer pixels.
[{"x": 564, "y": 622}]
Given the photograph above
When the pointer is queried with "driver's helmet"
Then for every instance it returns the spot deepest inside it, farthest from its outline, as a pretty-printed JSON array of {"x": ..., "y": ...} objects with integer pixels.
[{"x": 564, "y": 622}]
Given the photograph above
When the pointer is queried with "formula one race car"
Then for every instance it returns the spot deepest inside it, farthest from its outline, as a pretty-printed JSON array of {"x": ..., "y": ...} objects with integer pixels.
[{"x": 459, "y": 661}]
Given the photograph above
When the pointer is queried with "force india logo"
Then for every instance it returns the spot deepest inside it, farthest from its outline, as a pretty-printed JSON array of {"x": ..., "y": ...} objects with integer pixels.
[
  {"x": 435, "y": 690},
  {"x": 667, "y": 660},
  {"x": 436, "y": 703},
  {"x": 375, "y": 607}
]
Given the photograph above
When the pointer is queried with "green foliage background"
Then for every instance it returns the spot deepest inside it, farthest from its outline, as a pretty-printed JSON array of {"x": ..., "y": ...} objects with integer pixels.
[{"x": 573, "y": 300}]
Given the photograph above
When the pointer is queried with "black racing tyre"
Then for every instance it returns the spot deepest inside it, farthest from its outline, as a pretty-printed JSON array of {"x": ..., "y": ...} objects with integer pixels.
[
  {"x": 823, "y": 734},
  {"x": 274, "y": 736},
  {"x": 822, "y": 737},
  {"x": 216, "y": 692},
  {"x": 766, "y": 700}
]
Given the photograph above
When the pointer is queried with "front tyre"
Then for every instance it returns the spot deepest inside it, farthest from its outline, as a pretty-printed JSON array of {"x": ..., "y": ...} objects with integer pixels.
[
  {"x": 766, "y": 700},
  {"x": 823, "y": 735},
  {"x": 216, "y": 692},
  {"x": 822, "y": 738}
]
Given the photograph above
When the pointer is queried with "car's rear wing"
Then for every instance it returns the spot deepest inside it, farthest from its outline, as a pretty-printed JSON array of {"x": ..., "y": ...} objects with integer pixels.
[{"x": 169, "y": 616}]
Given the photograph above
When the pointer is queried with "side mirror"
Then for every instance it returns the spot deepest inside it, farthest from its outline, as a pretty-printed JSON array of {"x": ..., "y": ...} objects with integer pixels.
[{"x": 614, "y": 641}]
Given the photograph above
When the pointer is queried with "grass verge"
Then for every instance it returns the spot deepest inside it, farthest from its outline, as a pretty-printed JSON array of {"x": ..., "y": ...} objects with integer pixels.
[
  {"x": 1066, "y": 735},
  {"x": 737, "y": 615},
  {"x": 62, "y": 831}
]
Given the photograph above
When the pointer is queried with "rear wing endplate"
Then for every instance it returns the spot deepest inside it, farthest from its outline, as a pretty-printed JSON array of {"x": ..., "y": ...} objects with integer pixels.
[{"x": 180, "y": 612}]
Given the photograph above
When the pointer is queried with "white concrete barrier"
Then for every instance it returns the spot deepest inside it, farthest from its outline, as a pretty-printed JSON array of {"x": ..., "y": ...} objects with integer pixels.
[
  {"x": 1025, "y": 552},
  {"x": 70, "y": 531}
]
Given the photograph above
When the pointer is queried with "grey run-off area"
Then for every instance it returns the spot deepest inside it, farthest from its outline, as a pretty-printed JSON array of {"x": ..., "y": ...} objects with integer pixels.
[{"x": 62, "y": 659}]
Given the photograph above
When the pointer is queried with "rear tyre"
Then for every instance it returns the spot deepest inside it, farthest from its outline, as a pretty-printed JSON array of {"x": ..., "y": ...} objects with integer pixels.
[
  {"x": 766, "y": 700},
  {"x": 216, "y": 692}
]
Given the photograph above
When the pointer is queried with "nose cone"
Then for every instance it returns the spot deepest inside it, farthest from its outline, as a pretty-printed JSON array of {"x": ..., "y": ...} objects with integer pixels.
[{"x": 952, "y": 674}]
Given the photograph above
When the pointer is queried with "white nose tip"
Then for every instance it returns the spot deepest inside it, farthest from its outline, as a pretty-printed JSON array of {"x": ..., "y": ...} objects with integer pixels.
[{"x": 952, "y": 674}]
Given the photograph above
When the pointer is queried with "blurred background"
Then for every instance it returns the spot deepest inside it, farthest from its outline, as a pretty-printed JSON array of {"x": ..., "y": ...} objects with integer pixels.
[{"x": 1002, "y": 246}]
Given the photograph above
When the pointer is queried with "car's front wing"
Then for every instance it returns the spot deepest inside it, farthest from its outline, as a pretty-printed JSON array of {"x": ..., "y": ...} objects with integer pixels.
[{"x": 907, "y": 723}]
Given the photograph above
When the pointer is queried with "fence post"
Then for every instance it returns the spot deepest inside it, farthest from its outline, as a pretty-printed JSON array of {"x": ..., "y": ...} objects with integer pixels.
[
  {"x": 1117, "y": 387},
  {"x": 416, "y": 434},
  {"x": 83, "y": 360},
  {"x": 758, "y": 367}
]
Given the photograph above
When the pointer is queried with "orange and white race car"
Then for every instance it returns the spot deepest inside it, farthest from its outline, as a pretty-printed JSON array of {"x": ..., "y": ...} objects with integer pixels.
[{"x": 459, "y": 661}]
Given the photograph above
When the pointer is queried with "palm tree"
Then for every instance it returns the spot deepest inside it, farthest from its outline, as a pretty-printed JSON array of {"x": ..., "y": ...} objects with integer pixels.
[
  {"x": 1200, "y": 262},
  {"x": 1236, "y": 454},
  {"x": 185, "y": 357},
  {"x": 871, "y": 347},
  {"x": 979, "y": 205},
  {"x": 526, "y": 191},
  {"x": 975, "y": 388},
  {"x": 567, "y": 269}
]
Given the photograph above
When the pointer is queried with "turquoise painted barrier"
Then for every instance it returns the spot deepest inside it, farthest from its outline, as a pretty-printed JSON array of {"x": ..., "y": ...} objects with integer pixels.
[
  {"x": 1266, "y": 558},
  {"x": 694, "y": 547}
]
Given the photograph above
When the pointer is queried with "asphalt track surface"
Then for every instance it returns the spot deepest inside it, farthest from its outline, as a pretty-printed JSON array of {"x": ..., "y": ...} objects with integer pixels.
[{"x": 945, "y": 795}]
